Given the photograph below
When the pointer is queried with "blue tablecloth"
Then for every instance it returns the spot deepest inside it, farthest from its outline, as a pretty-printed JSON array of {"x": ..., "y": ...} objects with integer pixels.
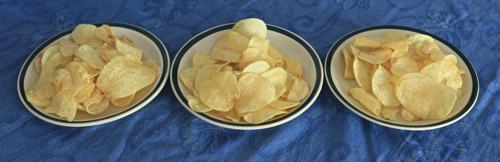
[{"x": 164, "y": 130}]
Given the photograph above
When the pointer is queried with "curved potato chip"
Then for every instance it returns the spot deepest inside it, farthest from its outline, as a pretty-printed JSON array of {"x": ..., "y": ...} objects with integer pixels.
[
  {"x": 445, "y": 71},
  {"x": 224, "y": 54},
  {"x": 90, "y": 55},
  {"x": 425, "y": 45},
  {"x": 205, "y": 73},
  {"x": 402, "y": 45},
  {"x": 256, "y": 67},
  {"x": 122, "y": 102},
  {"x": 112, "y": 70},
  {"x": 83, "y": 33},
  {"x": 249, "y": 55},
  {"x": 390, "y": 113},
  {"x": 404, "y": 65},
  {"x": 64, "y": 104},
  {"x": 362, "y": 74},
  {"x": 408, "y": 116},
  {"x": 282, "y": 104},
  {"x": 37, "y": 63},
  {"x": 67, "y": 47},
  {"x": 98, "y": 108},
  {"x": 255, "y": 93},
  {"x": 374, "y": 57},
  {"x": 196, "y": 104},
  {"x": 259, "y": 43},
  {"x": 138, "y": 76},
  {"x": 348, "y": 60},
  {"x": 95, "y": 42},
  {"x": 63, "y": 80},
  {"x": 369, "y": 101},
  {"x": 105, "y": 33},
  {"x": 214, "y": 97},
  {"x": 231, "y": 115},
  {"x": 228, "y": 81},
  {"x": 251, "y": 27},
  {"x": 107, "y": 52},
  {"x": 49, "y": 52},
  {"x": 84, "y": 92},
  {"x": 128, "y": 50},
  {"x": 424, "y": 97},
  {"x": 262, "y": 115},
  {"x": 187, "y": 77},
  {"x": 366, "y": 42},
  {"x": 200, "y": 58},
  {"x": 276, "y": 55},
  {"x": 293, "y": 67},
  {"x": 299, "y": 91},
  {"x": 94, "y": 98},
  {"x": 383, "y": 88},
  {"x": 278, "y": 77}
]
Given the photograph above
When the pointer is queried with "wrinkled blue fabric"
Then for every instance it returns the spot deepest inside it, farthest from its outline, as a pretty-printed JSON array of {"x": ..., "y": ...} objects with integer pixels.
[{"x": 164, "y": 130}]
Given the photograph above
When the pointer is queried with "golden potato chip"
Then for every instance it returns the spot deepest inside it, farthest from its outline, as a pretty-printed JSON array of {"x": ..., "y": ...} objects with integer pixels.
[
  {"x": 276, "y": 55},
  {"x": 390, "y": 113},
  {"x": 49, "y": 52},
  {"x": 402, "y": 45},
  {"x": 262, "y": 115},
  {"x": 249, "y": 55},
  {"x": 84, "y": 92},
  {"x": 95, "y": 42},
  {"x": 136, "y": 77},
  {"x": 404, "y": 65},
  {"x": 107, "y": 52},
  {"x": 227, "y": 68},
  {"x": 64, "y": 105},
  {"x": 224, "y": 54},
  {"x": 112, "y": 70},
  {"x": 67, "y": 47},
  {"x": 212, "y": 95},
  {"x": 187, "y": 77},
  {"x": 105, "y": 33},
  {"x": 37, "y": 62},
  {"x": 152, "y": 65},
  {"x": 83, "y": 33},
  {"x": 251, "y": 27},
  {"x": 256, "y": 67},
  {"x": 374, "y": 57},
  {"x": 228, "y": 81},
  {"x": 259, "y": 43},
  {"x": 362, "y": 74},
  {"x": 255, "y": 93},
  {"x": 283, "y": 104},
  {"x": 128, "y": 50},
  {"x": 366, "y": 42},
  {"x": 129, "y": 41},
  {"x": 200, "y": 58},
  {"x": 445, "y": 71},
  {"x": 98, "y": 108},
  {"x": 205, "y": 73},
  {"x": 122, "y": 102},
  {"x": 94, "y": 98},
  {"x": 348, "y": 60},
  {"x": 293, "y": 67},
  {"x": 424, "y": 97},
  {"x": 90, "y": 55},
  {"x": 299, "y": 91},
  {"x": 408, "y": 116},
  {"x": 196, "y": 104},
  {"x": 233, "y": 41},
  {"x": 383, "y": 88},
  {"x": 425, "y": 45},
  {"x": 62, "y": 80},
  {"x": 366, "y": 99},
  {"x": 278, "y": 77},
  {"x": 231, "y": 115}
]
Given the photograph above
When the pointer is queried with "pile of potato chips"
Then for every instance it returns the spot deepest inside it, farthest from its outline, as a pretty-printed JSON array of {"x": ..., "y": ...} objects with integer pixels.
[
  {"x": 88, "y": 71},
  {"x": 401, "y": 77},
  {"x": 244, "y": 76}
]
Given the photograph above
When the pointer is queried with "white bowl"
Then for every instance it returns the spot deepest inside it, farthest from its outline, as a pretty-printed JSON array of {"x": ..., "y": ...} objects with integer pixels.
[
  {"x": 291, "y": 44},
  {"x": 153, "y": 49},
  {"x": 334, "y": 70}
]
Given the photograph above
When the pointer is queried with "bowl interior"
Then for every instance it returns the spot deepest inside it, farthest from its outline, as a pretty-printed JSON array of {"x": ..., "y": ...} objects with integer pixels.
[
  {"x": 287, "y": 45},
  {"x": 343, "y": 85},
  {"x": 150, "y": 51}
]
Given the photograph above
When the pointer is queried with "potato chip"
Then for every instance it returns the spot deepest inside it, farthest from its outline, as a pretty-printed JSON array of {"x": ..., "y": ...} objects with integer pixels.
[
  {"x": 408, "y": 116},
  {"x": 90, "y": 55},
  {"x": 227, "y": 68},
  {"x": 366, "y": 42},
  {"x": 283, "y": 104},
  {"x": 259, "y": 43},
  {"x": 251, "y": 27},
  {"x": 122, "y": 102},
  {"x": 445, "y": 71},
  {"x": 212, "y": 95},
  {"x": 299, "y": 91},
  {"x": 224, "y": 54},
  {"x": 390, "y": 113},
  {"x": 401, "y": 46},
  {"x": 105, "y": 33},
  {"x": 64, "y": 105},
  {"x": 128, "y": 50},
  {"x": 278, "y": 77},
  {"x": 94, "y": 98},
  {"x": 197, "y": 105},
  {"x": 107, "y": 52},
  {"x": 425, "y": 45},
  {"x": 228, "y": 81},
  {"x": 83, "y": 33},
  {"x": 369, "y": 101},
  {"x": 424, "y": 97},
  {"x": 136, "y": 77},
  {"x": 262, "y": 115},
  {"x": 276, "y": 55},
  {"x": 231, "y": 115},
  {"x": 256, "y": 67},
  {"x": 37, "y": 62},
  {"x": 200, "y": 58},
  {"x": 129, "y": 41},
  {"x": 205, "y": 73},
  {"x": 293, "y": 67},
  {"x": 113, "y": 70},
  {"x": 255, "y": 93},
  {"x": 95, "y": 42},
  {"x": 348, "y": 60},
  {"x": 404, "y": 65},
  {"x": 67, "y": 47},
  {"x": 187, "y": 77},
  {"x": 63, "y": 80},
  {"x": 374, "y": 57},
  {"x": 49, "y": 52},
  {"x": 98, "y": 108},
  {"x": 383, "y": 88},
  {"x": 229, "y": 47},
  {"x": 362, "y": 74},
  {"x": 150, "y": 63}
]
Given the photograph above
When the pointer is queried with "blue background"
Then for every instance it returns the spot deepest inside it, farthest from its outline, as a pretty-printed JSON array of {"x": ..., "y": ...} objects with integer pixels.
[{"x": 164, "y": 130}]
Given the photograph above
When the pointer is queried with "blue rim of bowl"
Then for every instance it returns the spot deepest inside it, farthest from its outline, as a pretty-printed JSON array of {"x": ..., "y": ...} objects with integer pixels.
[
  {"x": 464, "y": 111},
  {"x": 315, "y": 57},
  {"x": 27, "y": 63}
]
